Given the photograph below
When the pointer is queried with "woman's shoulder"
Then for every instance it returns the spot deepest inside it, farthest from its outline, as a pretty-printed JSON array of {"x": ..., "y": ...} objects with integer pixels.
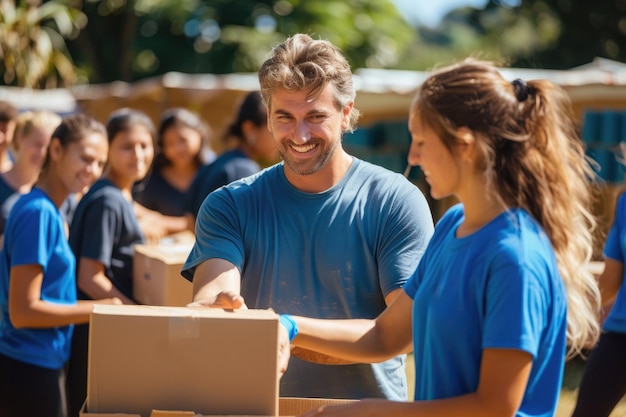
[
  {"x": 102, "y": 193},
  {"x": 33, "y": 203},
  {"x": 453, "y": 214}
]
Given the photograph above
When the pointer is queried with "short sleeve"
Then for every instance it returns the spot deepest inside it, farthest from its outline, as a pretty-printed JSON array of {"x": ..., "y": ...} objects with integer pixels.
[
  {"x": 218, "y": 234},
  {"x": 34, "y": 226},
  {"x": 408, "y": 229},
  {"x": 516, "y": 307},
  {"x": 101, "y": 222}
]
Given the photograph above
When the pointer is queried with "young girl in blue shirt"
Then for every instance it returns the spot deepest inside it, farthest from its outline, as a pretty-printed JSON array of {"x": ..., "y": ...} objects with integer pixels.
[
  {"x": 502, "y": 289},
  {"x": 38, "y": 303},
  {"x": 104, "y": 230}
]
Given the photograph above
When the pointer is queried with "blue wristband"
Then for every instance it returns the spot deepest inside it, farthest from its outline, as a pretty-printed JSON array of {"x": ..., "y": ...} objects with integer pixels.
[{"x": 289, "y": 323}]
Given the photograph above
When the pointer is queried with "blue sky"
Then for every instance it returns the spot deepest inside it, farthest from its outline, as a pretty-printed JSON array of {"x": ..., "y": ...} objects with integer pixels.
[{"x": 430, "y": 12}]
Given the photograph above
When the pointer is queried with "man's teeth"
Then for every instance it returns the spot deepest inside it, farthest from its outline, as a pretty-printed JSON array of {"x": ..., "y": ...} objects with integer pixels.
[{"x": 302, "y": 149}]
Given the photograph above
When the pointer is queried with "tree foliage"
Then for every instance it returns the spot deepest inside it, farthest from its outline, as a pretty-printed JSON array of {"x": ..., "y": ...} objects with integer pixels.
[
  {"x": 128, "y": 40},
  {"x": 554, "y": 34},
  {"x": 33, "y": 52},
  {"x": 133, "y": 39},
  {"x": 586, "y": 29}
]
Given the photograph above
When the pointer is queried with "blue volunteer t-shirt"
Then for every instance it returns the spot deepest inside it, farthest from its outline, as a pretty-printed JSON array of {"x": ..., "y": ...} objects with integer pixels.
[
  {"x": 496, "y": 288},
  {"x": 334, "y": 254},
  {"x": 615, "y": 248},
  {"x": 35, "y": 235}
]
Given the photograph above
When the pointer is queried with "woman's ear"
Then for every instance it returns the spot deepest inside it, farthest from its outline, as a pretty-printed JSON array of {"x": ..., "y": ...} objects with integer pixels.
[
  {"x": 248, "y": 129},
  {"x": 466, "y": 141},
  {"x": 55, "y": 149}
]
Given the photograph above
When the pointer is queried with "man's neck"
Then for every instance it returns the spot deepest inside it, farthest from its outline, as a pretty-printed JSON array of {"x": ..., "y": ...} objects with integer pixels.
[{"x": 325, "y": 178}]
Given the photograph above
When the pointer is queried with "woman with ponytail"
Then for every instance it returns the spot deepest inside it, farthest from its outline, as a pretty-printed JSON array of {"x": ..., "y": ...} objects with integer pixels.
[{"x": 501, "y": 295}]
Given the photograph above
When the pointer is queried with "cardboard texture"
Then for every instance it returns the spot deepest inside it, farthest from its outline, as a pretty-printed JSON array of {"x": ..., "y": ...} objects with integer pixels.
[
  {"x": 210, "y": 361},
  {"x": 288, "y": 407},
  {"x": 156, "y": 271}
]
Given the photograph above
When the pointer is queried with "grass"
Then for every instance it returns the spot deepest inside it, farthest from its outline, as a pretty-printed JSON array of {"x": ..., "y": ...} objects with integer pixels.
[
  {"x": 567, "y": 401},
  {"x": 571, "y": 379}
]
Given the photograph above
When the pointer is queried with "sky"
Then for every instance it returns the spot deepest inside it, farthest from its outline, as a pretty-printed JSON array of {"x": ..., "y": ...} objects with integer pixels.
[{"x": 430, "y": 12}]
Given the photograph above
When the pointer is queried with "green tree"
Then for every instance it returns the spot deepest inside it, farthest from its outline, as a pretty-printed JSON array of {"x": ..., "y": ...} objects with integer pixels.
[
  {"x": 128, "y": 40},
  {"x": 33, "y": 52},
  {"x": 586, "y": 29},
  {"x": 556, "y": 34},
  {"x": 499, "y": 33}
]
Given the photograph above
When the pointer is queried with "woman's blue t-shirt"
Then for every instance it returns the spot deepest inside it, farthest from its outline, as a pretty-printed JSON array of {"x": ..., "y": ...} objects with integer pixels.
[
  {"x": 35, "y": 235},
  {"x": 498, "y": 288},
  {"x": 615, "y": 248}
]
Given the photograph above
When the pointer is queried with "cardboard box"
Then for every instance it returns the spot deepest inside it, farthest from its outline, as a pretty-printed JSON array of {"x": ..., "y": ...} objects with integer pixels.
[
  {"x": 210, "y": 361},
  {"x": 156, "y": 271},
  {"x": 288, "y": 407}
]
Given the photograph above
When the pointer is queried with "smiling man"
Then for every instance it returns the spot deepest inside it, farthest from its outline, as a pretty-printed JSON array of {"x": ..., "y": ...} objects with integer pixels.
[{"x": 321, "y": 234}]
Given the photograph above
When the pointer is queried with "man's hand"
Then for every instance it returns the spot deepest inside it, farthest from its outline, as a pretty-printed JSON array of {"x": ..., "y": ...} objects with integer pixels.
[
  {"x": 227, "y": 300},
  {"x": 284, "y": 350}
]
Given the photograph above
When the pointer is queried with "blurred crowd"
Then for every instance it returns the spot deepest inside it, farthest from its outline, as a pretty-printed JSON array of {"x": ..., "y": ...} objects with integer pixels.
[{"x": 134, "y": 182}]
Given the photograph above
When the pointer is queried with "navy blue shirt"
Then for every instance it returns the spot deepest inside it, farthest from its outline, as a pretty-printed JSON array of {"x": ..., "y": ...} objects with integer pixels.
[
  {"x": 105, "y": 229},
  {"x": 228, "y": 167},
  {"x": 8, "y": 198},
  {"x": 156, "y": 193}
]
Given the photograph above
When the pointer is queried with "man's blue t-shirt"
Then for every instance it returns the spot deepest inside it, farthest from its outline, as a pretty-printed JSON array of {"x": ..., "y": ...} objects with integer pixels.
[
  {"x": 496, "y": 288},
  {"x": 615, "y": 248},
  {"x": 35, "y": 235},
  {"x": 334, "y": 254}
]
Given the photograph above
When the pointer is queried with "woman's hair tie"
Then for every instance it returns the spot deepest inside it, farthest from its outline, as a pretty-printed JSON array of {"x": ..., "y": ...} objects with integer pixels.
[{"x": 521, "y": 89}]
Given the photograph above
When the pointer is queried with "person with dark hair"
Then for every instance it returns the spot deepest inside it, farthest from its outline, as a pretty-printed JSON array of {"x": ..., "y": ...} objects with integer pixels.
[
  {"x": 502, "y": 292},
  {"x": 38, "y": 303},
  {"x": 182, "y": 149},
  {"x": 322, "y": 233},
  {"x": 104, "y": 230},
  {"x": 254, "y": 148},
  {"x": 8, "y": 116}
]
